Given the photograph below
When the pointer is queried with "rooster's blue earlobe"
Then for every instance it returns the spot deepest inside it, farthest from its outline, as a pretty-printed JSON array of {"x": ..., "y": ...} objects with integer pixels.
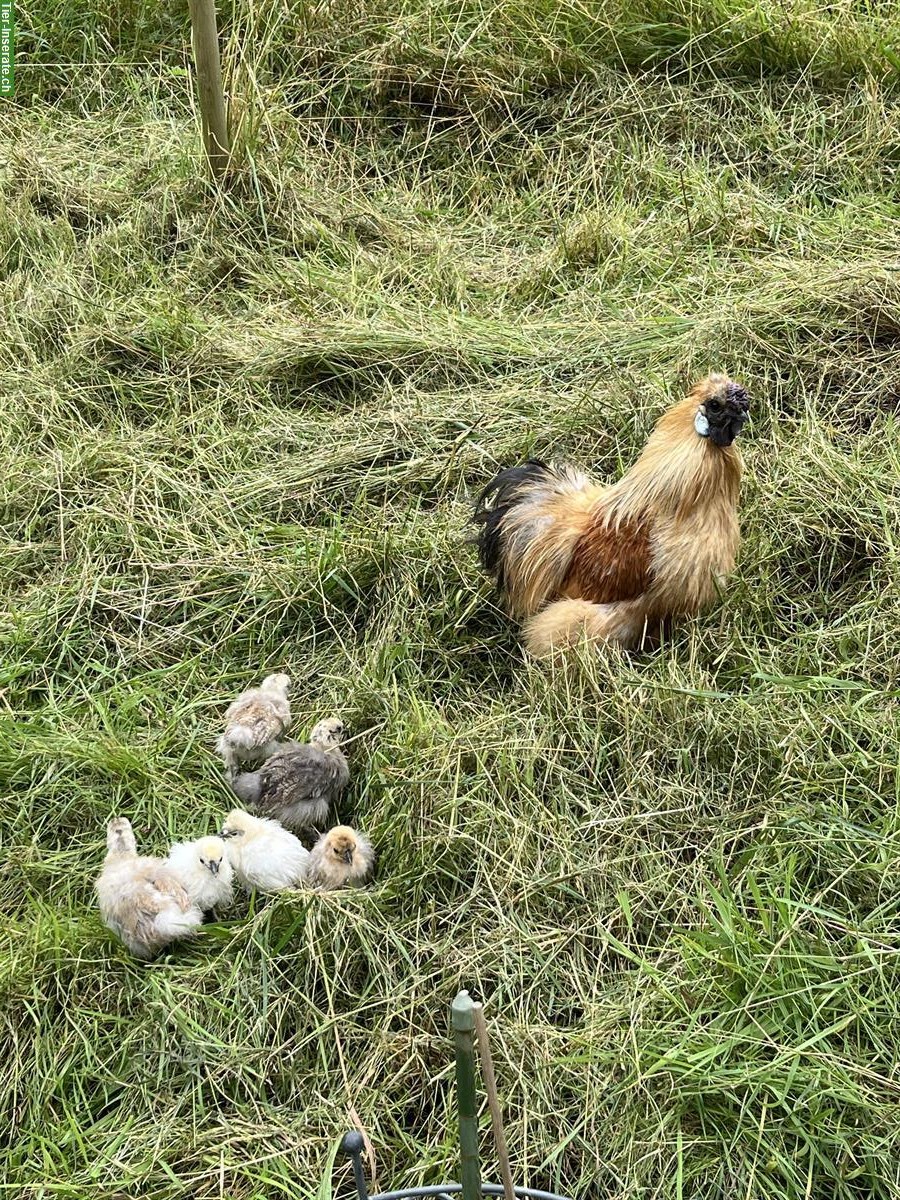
[{"x": 701, "y": 424}]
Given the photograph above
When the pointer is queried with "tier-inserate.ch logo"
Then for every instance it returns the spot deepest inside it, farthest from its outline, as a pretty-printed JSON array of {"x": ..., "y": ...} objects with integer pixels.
[{"x": 7, "y": 48}]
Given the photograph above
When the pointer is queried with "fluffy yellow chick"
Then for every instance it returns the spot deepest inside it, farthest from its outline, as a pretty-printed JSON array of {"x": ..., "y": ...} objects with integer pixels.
[
  {"x": 264, "y": 855},
  {"x": 342, "y": 857},
  {"x": 254, "y": 722},
  {"x": 141, "y": 899},
  {"x": 204, "y": 870}
]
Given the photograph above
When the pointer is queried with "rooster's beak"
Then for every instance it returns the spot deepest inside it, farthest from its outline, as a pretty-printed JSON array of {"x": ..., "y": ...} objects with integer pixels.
[{"x": 738, "y": 421}]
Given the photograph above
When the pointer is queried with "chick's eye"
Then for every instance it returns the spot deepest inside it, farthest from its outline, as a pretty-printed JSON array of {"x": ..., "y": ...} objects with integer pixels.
[{"x": 714, "y": 406}]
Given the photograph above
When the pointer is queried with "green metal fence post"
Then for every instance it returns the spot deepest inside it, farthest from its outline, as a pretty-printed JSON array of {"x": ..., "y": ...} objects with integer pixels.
[{"x": 463, "y": 1021}]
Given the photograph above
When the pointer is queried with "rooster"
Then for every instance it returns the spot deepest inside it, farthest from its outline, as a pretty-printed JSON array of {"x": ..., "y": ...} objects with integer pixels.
[{"x": 574, "y": 558}]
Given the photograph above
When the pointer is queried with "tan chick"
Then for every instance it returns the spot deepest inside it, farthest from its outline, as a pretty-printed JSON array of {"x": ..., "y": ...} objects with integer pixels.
[
  {"x": 263, "y": 854},
  {"x": 204, "y": 869},
  {"x": 141, "y": 899},
  {"x": 254, "y": 722},
  {"x": 342, "y": 857}
]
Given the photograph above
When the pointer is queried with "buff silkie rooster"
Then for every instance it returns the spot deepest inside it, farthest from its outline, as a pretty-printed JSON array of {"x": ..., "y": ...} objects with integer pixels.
[{"x": 575, "y": 559}]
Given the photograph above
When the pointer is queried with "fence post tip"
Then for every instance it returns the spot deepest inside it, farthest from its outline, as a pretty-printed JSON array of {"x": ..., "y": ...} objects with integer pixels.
[
  {"x": 463, "y": 1012},
  {"x": 353, "y": 1143}
]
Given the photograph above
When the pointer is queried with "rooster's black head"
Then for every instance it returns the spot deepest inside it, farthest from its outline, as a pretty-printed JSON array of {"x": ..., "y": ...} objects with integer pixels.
[{"x": 723, "y": 410}]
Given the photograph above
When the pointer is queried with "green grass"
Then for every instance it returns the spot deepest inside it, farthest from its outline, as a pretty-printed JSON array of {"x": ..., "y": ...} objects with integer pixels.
[{"x": 242, "y": 433}]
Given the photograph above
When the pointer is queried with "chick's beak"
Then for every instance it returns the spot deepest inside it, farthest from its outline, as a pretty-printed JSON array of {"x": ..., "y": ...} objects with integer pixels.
[
  {"x": 347, "y": 856},
  {"x": 214, "y": 866}
]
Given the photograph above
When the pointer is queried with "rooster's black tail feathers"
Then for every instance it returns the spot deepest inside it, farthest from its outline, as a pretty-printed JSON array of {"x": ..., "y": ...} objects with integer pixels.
[{"x": 501, "y": 495}]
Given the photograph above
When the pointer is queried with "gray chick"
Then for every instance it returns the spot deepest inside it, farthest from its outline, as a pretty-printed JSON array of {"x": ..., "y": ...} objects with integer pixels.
[{"x": 299, "y": 783}]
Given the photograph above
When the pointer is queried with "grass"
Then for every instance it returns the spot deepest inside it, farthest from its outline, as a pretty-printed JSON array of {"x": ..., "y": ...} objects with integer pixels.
[{"x": 242, "y": 433}]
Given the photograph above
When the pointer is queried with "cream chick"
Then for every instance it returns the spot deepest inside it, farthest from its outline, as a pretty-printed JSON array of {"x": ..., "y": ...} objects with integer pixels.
[
  {"x": 342, "y": 857},
  {"x": 262, "y": 852},
  {"x": 327, "y": 733},
  {"x": 254, "y": 722},
  {"x": 141, "y": 899},
  {"x": 205, "y": 871}
]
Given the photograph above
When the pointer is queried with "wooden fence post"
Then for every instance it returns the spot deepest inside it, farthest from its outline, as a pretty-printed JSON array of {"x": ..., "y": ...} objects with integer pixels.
[
  {"x": 205, "y": 38},
  {"x": 490, "y": 1086}
]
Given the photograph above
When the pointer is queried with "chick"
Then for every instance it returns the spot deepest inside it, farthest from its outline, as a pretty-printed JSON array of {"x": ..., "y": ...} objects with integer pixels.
[
  {"x": 342, "y": 857},
  {"x": 204, "y": 870},
  {"x": 253, "y": 723},
  {"x": 264, "y": 855},
  {"x": 298, "y": 784},
  {"x": 141, "y": 899}
]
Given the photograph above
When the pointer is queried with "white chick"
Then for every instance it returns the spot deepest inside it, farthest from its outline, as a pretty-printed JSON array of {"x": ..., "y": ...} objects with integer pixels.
[
  {"x": 141, "y": 899},
  {"x": 205, "y": 871},
  {"x": 264, "y": 855},
  {"x": 254, "y": 722},
  {"x": 342, "y": 857},
  {"x": 297, "y": 785}
]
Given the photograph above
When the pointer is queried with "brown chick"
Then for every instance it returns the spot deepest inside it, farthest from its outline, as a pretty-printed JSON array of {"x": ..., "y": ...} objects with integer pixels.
[
  {"x": 342, "y": 857},
  {"x": 141, "y": 899}
]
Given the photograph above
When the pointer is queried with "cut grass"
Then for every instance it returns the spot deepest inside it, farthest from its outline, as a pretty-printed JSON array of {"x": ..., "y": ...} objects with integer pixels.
[{"x": 242, "y": 433}]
